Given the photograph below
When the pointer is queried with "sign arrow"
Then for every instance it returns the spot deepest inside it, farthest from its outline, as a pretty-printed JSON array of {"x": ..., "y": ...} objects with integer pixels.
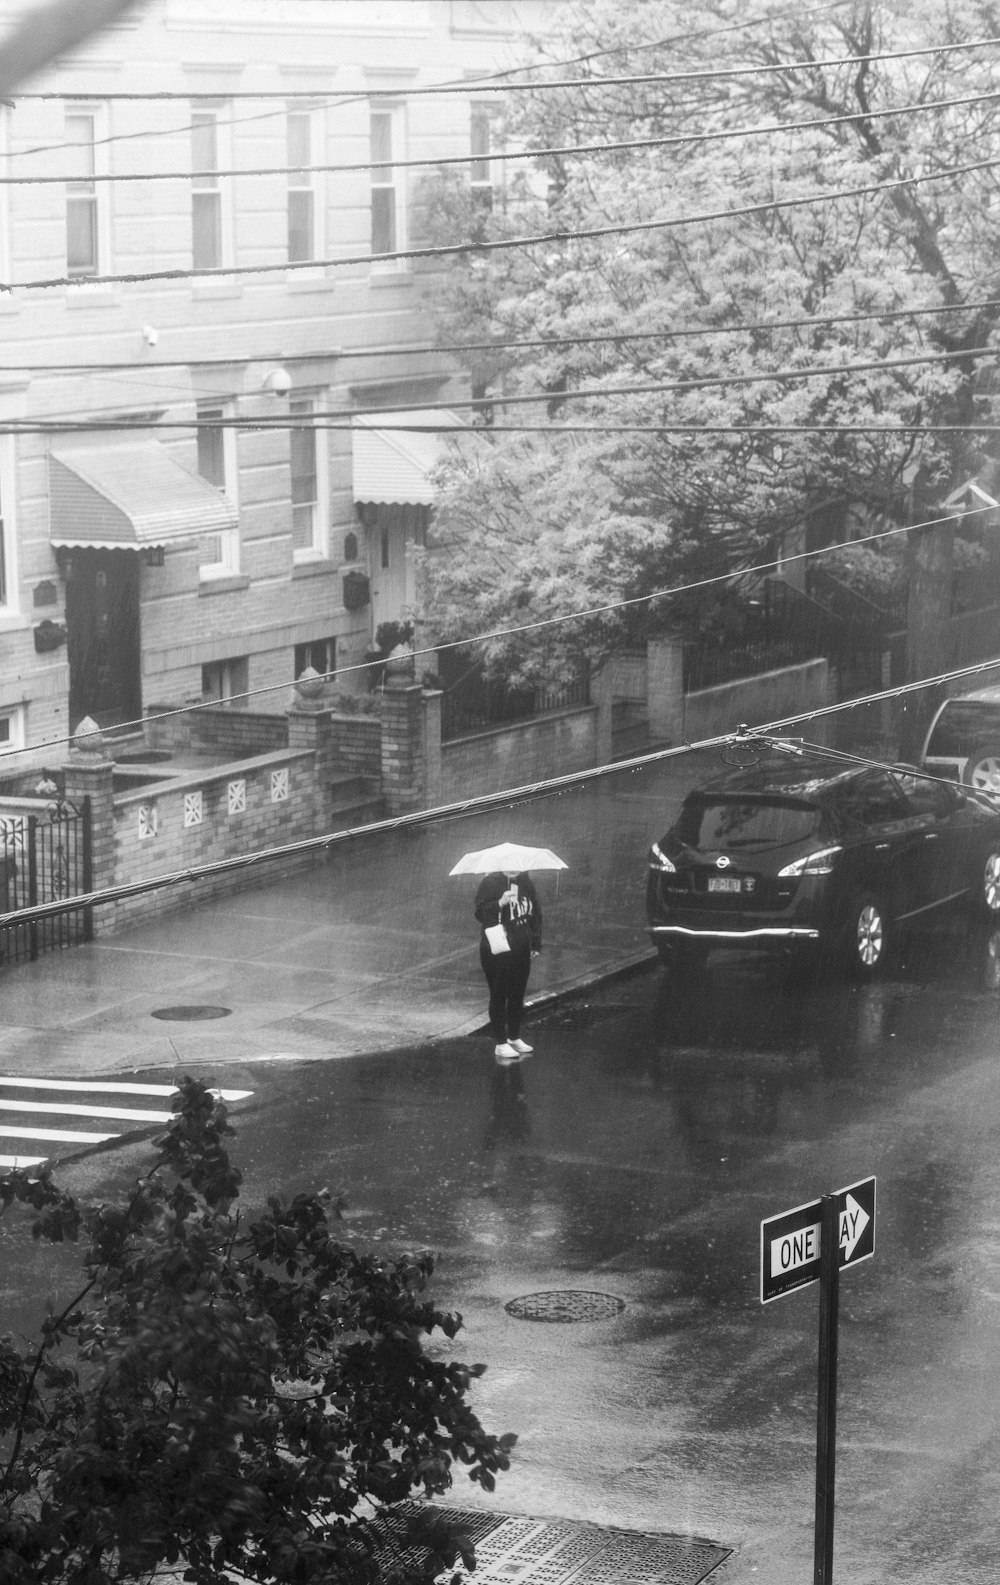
[
  {"x": 790, "y": 1243},
  {"x": 853, "y": 1221}
]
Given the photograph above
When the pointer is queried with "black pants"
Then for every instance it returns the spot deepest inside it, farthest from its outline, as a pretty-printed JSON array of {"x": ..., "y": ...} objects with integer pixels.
[{"x": 507, "y": 977}]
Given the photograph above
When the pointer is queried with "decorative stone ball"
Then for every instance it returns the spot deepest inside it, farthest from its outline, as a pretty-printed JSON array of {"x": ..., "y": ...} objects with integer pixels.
[
  {"x": 309, "y": 684},
  {"x": 400, "y": 662}
]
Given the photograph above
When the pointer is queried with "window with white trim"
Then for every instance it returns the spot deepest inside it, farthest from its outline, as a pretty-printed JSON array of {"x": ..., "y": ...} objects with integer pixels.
[
  {"x": 319, "y": 653},
  {"x": 211, "y": 223},
  {"x": 12, "y": 734},
  {"x": 480, "y": 171},
  {"x": 87, "y": 232},
  {"x": 226, "y": 679},
  {"x": 307, "y": 466},
  {"x": 388, "y": 198},
  {"x": 220, "y": 553},
  {"x": 305, "y": 207}
]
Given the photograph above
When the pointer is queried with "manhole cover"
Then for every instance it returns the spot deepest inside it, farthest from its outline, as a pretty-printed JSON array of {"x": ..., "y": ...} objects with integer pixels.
[
  {"x": 565, "y": 1304},
  {"x": 192, "y": 1013}
]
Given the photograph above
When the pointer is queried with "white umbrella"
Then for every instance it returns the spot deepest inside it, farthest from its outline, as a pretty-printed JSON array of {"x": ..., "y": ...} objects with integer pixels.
[{"x": 510, "y": 858}]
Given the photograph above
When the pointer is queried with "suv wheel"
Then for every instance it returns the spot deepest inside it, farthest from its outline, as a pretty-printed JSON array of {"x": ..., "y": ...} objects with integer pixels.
[
  {"x": 988, "y": 898},
  {"x": 982, "y": 769},
  {"x": 867, "y": 938}
]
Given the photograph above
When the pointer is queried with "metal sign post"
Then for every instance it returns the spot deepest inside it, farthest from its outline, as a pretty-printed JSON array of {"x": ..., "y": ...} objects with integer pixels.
[
  {"x": 807, "y": 1244},
  {"x": 826, "y": 1397}
]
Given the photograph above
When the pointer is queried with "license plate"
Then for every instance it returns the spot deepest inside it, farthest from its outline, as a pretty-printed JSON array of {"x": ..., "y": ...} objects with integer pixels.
[{"x": 724, "y": 883}]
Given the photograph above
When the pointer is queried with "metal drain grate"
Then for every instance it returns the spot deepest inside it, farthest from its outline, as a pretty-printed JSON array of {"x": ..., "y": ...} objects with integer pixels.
[
  {"x": 191, "y": 1014},
  {"x": 544, "y": 1552},
  {"x": 565, "y": 1304}
]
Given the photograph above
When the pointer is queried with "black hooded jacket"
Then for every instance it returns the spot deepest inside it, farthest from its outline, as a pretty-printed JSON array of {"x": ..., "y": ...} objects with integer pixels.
[{"x": 522, "y": 921}]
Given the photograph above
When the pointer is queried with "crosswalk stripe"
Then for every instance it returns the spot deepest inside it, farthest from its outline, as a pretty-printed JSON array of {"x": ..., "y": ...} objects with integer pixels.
[
  {"x": 92, "y": 1085},
  {"x": 55, "y": 1133},
  {"x": 68, "y": 1110},
  {"x": 58, "y": 1109}
]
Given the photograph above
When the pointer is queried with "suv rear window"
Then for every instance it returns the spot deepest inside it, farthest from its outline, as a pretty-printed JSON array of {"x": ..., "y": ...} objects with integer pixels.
[{"x": 740, "y": 822}]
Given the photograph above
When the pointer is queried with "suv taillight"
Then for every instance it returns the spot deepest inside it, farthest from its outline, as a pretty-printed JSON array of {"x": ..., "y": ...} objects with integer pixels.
[
  {"x": 658, "y": 860},
  {"x": 818, "y": 863}
]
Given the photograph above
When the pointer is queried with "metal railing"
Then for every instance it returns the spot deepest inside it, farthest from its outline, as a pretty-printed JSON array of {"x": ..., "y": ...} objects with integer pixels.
[{"x": 45, "y": 856}]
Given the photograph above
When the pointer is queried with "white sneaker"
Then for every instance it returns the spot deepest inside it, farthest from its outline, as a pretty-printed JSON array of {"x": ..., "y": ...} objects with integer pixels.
[
  {"x": 505, "y": 1054},
  {"x": 521, "y": 1047}
]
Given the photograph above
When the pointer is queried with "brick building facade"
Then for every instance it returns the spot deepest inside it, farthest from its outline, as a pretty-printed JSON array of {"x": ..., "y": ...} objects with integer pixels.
[{"x": 156, "y": 556}]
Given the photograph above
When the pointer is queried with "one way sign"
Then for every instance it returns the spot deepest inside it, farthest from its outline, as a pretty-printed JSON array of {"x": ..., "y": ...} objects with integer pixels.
[{"x": 790, "y": 1243}]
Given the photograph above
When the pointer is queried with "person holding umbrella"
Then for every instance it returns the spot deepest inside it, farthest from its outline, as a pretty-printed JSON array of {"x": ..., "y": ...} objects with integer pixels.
[{"x": 508, "y": 909}]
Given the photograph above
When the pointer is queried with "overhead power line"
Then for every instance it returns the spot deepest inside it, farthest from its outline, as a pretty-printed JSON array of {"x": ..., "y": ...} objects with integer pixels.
[
  {"x": 462, "y": 808},
  {"x": 497, "y": 76},
  {"x": 545, "y": 238},
  {"x": 478, "y": 85},
  {"x": 548, "y": 343},
  {"x": 537, "y": 625},
  {"x": 504, "y": 156},
  {"x": 326, "y": 419},
  {"x": 120, "y": 425}
]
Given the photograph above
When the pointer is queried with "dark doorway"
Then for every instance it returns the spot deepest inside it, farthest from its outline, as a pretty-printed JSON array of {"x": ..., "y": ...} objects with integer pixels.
[{"x": 102, "y": 622}]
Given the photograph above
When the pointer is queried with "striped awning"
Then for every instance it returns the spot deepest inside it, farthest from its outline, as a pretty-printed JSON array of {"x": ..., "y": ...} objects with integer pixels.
[
  {"x": 130, "y": 494},
  {"x": 393, "y": 466}
]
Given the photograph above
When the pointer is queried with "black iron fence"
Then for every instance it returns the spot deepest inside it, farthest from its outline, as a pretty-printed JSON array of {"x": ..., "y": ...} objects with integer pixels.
[
  {"x": 474, "y": 702},
  {"x": 709, "y": 663},
  {"x": 45, "y": 856}
]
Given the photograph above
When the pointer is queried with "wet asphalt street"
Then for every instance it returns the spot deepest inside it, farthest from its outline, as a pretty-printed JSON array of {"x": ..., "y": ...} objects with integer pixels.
[{"x": 633, "y": 1156}]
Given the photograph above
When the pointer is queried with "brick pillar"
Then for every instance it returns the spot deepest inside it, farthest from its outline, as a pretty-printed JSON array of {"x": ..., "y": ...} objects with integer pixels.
[
  {"x": 88, "y": 774},
  {"x": 602, "y": 693},
  {"x": 665, "y": 690},
  {"x": 309, "y": 728},
  {"x": 403, "y": 764},
  {"x": 432, "y": 746}
]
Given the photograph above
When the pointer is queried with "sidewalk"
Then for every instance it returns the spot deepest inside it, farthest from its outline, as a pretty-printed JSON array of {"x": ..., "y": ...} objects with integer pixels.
[{"x": 375, "y": 947}]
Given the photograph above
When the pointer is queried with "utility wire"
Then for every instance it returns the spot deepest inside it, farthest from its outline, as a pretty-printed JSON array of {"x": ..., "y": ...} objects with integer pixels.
[
  {"x": 497, "y": 77},
  {"x": 503, "y": 156},
  {"x": 524, "y": 628},
  {"x": 588, "y": 393},
  {"x": 527, "y": 792},
  {"x": 476, "y": 85},
  {"x": 125, "y": 426},
  {"x": 546, "y": 238},
  {"x": 548, "y": 343}
]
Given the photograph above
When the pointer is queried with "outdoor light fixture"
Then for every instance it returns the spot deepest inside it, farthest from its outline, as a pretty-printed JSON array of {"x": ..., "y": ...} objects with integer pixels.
[
  {"x": 150, "y": 335},
  {"x": 278, "y": 381}
]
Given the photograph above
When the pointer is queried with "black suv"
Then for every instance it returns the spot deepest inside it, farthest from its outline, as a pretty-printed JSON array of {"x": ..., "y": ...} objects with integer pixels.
[
  {"x": 799, "y": 853},
  {"x": 963, "y": 741}
]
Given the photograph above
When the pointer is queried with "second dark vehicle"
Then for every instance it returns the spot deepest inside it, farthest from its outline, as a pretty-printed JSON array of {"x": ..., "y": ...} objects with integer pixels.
[{"x": 799, "y": 853}]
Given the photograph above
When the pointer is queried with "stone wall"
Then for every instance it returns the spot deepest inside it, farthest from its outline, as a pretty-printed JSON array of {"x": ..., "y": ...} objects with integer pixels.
[
  {"x": 526, "y": 751},
  {"x": 756, "y": 700},
  {"x": 233, "y": 733},
  {"x": 194, "y": 820}
]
